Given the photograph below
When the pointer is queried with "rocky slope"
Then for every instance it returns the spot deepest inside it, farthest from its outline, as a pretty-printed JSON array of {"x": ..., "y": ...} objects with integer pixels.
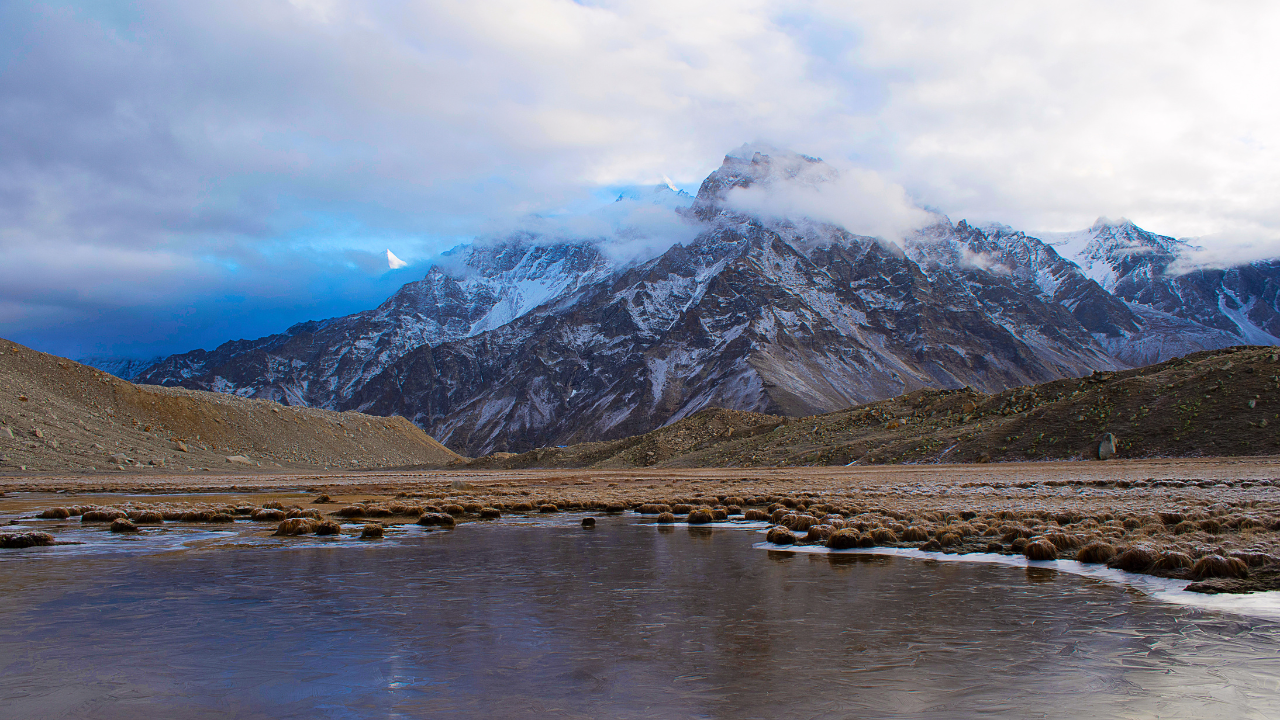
[
  {"x": 535, "y": 342},
  {"x": 59, "y": 415},
  {"x": 1218, "y": 403}
]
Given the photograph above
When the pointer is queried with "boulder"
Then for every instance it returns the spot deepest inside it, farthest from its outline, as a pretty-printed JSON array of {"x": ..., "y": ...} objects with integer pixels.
[{"x": 1107, "y": 448}]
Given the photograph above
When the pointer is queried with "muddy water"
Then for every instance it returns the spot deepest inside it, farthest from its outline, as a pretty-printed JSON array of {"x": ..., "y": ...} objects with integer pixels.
[{"x": 545, "y": 619}]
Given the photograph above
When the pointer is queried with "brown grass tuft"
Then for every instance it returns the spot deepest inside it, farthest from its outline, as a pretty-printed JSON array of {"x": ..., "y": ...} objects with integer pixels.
[
  {"x": 1137, "y": 558},
  {"x": 1040, "y": 549},
  {"x": 1172, "y": 560},
  {"x": 1096, "y": 552},
  {"x": 699, "y": 517},
  {"x": 328, "y": 527},
  {"x": 17, "y": 541},
  {"x": 101, "y": 515},
  {"x": 844, "y": 539},
  {"x": 883, "y": 536},
  {"x": 123, "y": 525},
  {"x": 779, "y": 535},
  {"x": 296, "y": 526},
  {"x": 915, "y": 533},
  {"x": 1211, "y": 566}
]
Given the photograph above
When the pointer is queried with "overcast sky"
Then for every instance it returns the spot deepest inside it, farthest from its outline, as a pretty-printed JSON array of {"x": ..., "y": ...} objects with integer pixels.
[{"x": 177, "y": 174}]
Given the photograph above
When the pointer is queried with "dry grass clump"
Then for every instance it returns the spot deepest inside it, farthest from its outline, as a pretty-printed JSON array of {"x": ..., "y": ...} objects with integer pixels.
[
  {"x": 1172, "y": 560},
  {"x": 1211, "y": 526},
  {"x": 844, "y": 539},
  {"x": 995, "y": 547},
  {"x": 1064, "y": 541},
  {"x": 146, "y": 517},
  {"x": 1184, "y": 527},
  {"x": 666, "y": 517},
  {"x": 949, "y": 539},
  {"x": 273, "y": 505},
  {"x": 433, "y": 518},
  {"x": 525, "y": 506},
  {"x": 547, "y": 508},
  {"x": 756, "y": 515},
  {"x": 915, "y": 533},
  {"x": 779, "y": 535},
  {"x": 1040, "y": 549},
  {"x": 883, "y": 536},
  {"x": 490, "y": 513},
  {"x": 350, "y": 511},
  {"x": 682, "y": 508},
  {"x": 819, "y": 533},
  {"x": 101, "y": 515},
  {"x": 1009, "y": 533},
  {"x": 719, "y": 514},
  {"x": 589, "y": 522},
  {"x": 699, "y": 517},
  {"x": 371, "y": 531},
  {"x": 615, "y": 507},
  {"x": 123, "y": 525},
  {"x": 267, "y": 515},
  {"x": 932, "y": 546},
  {"x": 653, "y": 509},
  {"x": 299, "y": 512},
  {"x": 17, "y": 541},
  {"x": 58, "y": 513},
  {"x": 1138, "y": 558},
  {"x": 798, "y": 523},
  {"x": 1212, "y": 566},
  {"x": 307, "y": 525},
  {"x": 1096, "y": 552},
  {"x": 321, "y": 499}
]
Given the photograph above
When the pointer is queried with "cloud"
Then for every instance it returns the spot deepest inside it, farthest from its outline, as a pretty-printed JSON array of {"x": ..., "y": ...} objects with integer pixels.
[
  {"x": 158, "y": 155},
  {"x": 859, "y": 200},
  {"x": 394, "y": 262}
]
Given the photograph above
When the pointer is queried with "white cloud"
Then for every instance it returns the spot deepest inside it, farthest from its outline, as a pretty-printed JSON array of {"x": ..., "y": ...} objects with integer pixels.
[
  {"x": 203, "y": 133},
  {"x": 859, "y": 200}
]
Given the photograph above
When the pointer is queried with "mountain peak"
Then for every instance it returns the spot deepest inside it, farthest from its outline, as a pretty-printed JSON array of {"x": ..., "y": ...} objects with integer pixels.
[{"x": 758, "y": 164}]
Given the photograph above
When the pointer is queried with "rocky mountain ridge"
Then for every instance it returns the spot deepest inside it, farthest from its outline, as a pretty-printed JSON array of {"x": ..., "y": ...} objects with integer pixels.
[{"x": 533, "y": 342}]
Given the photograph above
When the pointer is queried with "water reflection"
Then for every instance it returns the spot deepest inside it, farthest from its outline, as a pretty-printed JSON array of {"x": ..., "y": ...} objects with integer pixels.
[{"x": 528, "y": 620}]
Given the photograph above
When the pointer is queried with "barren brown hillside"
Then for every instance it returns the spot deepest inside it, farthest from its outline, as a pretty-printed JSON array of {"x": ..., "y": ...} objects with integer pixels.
[
  {"x": 1217, "y": 403},
  {"x": 59, "y": 415}
]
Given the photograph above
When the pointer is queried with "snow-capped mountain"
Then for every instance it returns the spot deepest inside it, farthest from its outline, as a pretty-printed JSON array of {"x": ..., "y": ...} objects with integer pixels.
[
  {"x": 534, "y": 341},
  {"x": 322, "y": 363}
]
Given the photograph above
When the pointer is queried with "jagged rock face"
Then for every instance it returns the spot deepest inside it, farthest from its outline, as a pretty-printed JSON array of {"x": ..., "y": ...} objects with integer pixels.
[
  {"x": 742, "y": 318},
  {"x": 521, "y": 344}
]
